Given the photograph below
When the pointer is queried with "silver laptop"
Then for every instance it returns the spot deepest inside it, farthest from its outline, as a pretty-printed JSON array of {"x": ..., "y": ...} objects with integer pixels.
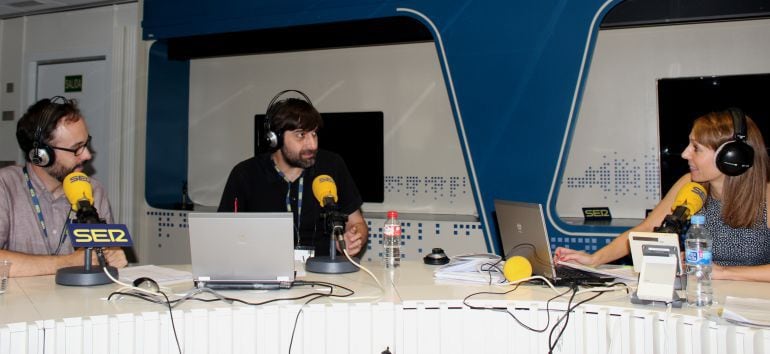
[
  {"x": 242, "y": 250},
  {"x": 523, "y": 233}
]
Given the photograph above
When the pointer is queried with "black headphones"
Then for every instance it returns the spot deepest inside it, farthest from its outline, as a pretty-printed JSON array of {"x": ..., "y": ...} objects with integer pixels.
[
  {"x": 41, "y": 154},
  {"x": 275, "y": 139},
  {"x": 736, "y": 156}
]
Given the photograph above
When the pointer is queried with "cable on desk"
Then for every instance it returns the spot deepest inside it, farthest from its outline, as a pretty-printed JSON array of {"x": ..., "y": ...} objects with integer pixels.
[
  {"x": 318, "y": 296},
  {"x": 362, "y": 268},
  {"x": 150, "y": 296},
  {"x": 489, "y": 268},
  {"x": 575, "y": 291},
  {"x": 147, "y": 293},
  {"x": 516, "y": 286}
]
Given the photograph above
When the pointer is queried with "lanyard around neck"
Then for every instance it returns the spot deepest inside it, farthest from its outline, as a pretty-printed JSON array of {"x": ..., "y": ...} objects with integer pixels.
[
  {"x": 39, "y": 212},
  {"x": 300, "y": 189}
]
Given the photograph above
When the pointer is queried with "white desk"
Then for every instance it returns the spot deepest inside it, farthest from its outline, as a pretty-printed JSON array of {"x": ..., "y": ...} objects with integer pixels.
[{"x": 414, "y": 315}]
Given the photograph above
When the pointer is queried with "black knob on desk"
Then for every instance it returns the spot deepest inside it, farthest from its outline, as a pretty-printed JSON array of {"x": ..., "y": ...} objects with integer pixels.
[{"x": 436, "y": 257}]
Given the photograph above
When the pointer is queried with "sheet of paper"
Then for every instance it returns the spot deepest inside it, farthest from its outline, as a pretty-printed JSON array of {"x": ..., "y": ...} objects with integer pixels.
[
  {"x": 475, "y": 268},
  {"x": 747, "y": 311},
  {"x": 162, "y": 275}
]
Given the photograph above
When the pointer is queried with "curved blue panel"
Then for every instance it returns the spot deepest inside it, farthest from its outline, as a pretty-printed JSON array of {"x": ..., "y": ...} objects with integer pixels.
[
  {"x": 514, "y": 70},
  {"x": 167, "y": 111}
]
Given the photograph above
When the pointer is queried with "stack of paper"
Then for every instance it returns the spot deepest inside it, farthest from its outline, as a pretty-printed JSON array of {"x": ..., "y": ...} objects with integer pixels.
[
  {"x": 747, "y": 311},
  {"x": 476, "y": 268}
]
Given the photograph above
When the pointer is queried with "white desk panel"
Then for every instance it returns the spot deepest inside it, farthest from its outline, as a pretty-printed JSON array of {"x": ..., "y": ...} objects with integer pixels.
[{"x": 414, "y": 315}]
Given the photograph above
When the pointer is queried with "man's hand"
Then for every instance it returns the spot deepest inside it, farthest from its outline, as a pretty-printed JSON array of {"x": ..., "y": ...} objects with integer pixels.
[
  {"x": 115, "y": 257},
  {"x": 353, "y": 240}
]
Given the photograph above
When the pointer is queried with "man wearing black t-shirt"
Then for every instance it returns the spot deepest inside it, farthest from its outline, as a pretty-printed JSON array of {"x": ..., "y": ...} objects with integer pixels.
[{"x": 281, "y": 180}]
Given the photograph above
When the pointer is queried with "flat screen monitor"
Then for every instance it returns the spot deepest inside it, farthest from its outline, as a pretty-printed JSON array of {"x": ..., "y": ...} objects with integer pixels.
[
  {"x": 356, "y": 136},
  {"x": 682, "y": 100}
]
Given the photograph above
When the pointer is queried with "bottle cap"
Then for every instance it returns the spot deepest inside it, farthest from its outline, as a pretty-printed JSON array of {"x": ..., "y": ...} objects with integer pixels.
[
  {"x": 392, "y": 214},
  {"x": 698, "y": 219}
]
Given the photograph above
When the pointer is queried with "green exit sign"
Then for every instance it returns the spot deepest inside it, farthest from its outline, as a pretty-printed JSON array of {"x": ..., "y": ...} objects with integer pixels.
[{"x": 73, "y": 83}]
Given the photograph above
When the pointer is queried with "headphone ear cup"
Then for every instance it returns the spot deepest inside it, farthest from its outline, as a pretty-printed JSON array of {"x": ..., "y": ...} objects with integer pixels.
[
  {"x": 42, "y": 156},
  {"x": 272, "y": 139},
  {"x": 734, "y": 158}
]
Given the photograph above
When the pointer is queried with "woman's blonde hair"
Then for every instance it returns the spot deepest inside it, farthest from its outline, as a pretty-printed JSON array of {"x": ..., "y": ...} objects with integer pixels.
[{"x": 743, "y": 196}]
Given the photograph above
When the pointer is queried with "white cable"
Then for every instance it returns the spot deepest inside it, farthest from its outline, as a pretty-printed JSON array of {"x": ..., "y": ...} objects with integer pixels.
[
  {"x": 129, "y": 286},
  {"x": 547, "y": 282},
  {"x": 363, "y": 268},
  {"x": 602, "y": 289}
]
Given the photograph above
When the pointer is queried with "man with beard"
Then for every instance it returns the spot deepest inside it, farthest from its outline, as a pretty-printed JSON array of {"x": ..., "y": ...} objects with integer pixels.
[
  {"x": 281, "y": 180},
  {"x": 34, "y": 211}
]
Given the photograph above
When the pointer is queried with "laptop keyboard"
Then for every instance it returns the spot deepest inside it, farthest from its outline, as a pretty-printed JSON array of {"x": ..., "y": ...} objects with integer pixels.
[{"x": 575, "y": 275}]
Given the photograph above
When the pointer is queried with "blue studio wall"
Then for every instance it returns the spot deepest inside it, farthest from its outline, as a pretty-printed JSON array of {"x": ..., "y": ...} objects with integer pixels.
[{"x": 514, "y": 72}]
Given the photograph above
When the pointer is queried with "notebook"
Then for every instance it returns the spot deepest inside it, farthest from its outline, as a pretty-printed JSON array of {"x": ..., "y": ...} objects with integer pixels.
[
  {"x": 242, "y": 250},
  {"x": 523, "y": 233}
]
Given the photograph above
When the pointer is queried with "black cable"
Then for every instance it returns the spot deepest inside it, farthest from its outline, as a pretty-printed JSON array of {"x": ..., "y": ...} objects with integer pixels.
[
  {"x": 318, "y": 296},
  {"x": 570, "y": 308},
  {"x": 491, "y": 267},
  {"x": 173, "y": 326},
  {"x": 565, "y": 317},
  {"x": 314, "y": 295},
  {"x": 296, "y": 320},
  {"x": 547, "y": 307},
  {"x": 147, "y": 297}
]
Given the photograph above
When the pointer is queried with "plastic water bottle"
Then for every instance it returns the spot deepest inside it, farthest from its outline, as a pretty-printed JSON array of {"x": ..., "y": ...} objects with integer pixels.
[
  {"x": 698, "y": 258},
  {"x": 391, "y": 239}
]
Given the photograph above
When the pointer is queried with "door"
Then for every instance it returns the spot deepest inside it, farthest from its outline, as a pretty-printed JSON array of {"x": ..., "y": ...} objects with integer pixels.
[{"x": 86, "y": 81}]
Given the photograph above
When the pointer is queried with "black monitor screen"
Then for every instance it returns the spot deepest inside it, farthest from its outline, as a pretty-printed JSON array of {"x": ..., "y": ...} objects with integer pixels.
[
  {"x": 357, "y": 137},
  {"x": 682, "y": 100}
]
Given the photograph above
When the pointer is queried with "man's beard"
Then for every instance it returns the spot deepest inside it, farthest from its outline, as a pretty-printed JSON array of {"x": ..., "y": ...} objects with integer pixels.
[
  {"x": 60, "y": 172},
  {"x": 296, "y": 160}
]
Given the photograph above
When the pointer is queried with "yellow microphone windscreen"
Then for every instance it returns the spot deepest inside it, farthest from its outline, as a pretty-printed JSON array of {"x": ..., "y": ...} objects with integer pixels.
[
  {"x": 77, "y": 187},
  {"x": 323, "y": 187},
  {"x": 517, "y": 268}
]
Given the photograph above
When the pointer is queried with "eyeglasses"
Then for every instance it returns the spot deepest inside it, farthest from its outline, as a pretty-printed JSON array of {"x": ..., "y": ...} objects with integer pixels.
[{"x": 78, "y": 150}]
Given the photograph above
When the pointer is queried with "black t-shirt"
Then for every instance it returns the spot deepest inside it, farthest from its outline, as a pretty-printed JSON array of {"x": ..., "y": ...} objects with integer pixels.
[{"x": 259, "y": 188}]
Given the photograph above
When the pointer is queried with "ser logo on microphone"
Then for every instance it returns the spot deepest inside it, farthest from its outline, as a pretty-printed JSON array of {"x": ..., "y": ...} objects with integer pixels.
[
  {"x": 75, "y": 177},
  {"x": 99, "y": 235}
]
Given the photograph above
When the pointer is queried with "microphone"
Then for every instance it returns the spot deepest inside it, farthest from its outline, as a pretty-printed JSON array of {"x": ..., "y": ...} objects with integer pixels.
[
  {"x": 325, "y": 191},
  {"x": 77, "y": 189},
  {"x": 91, "y": 233},
  {"x": 688, "y": 201},
  {"x": 517, "y": 268}
]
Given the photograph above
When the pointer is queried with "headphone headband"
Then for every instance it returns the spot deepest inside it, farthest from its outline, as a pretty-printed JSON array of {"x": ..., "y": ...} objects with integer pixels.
[
  {"x": 739, "y": 123},
  {"x": 46, "y": 115},
  {"x": 272, "y": 102},
  {"x": 274, "y": 139}
]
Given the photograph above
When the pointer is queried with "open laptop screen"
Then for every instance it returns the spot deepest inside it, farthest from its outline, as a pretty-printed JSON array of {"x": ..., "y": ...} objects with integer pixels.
[
  {"x": 242, "y": 247},
  {"x": 523, "y": 233}
]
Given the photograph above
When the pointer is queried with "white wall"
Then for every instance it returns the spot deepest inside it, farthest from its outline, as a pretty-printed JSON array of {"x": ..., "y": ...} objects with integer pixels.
[
  {"x": 10, "y": 72},
  {"x": 616, "y": 132},
  {"x": 402, "y": 81},
  {"x": 110, "y": 32}
]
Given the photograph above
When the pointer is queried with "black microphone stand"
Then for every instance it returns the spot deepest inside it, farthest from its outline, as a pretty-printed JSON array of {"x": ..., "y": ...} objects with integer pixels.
[
  {"x": 334, "y": 224},
  {"x": 87, "y": 274}
]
